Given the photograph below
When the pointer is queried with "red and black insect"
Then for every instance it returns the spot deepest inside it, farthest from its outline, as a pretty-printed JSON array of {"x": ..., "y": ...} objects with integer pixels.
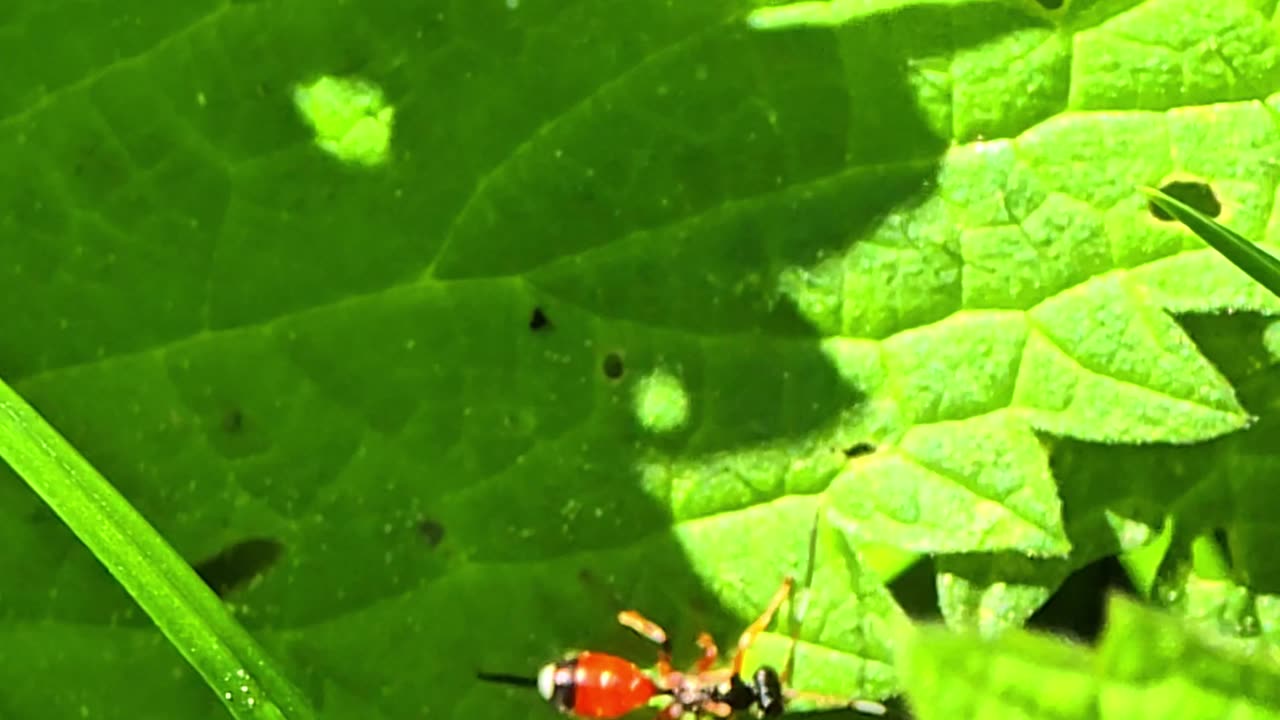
[{"x": 598, "y": 685}]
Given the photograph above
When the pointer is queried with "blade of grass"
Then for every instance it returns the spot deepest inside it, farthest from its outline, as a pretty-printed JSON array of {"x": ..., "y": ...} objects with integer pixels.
[
  {"x": 185, "y": 609},
  {"x": 1244, "y": 254}
]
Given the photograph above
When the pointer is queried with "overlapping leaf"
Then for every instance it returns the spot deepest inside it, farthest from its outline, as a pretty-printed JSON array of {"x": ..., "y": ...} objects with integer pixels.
[{"x": 1147, "y": 662}]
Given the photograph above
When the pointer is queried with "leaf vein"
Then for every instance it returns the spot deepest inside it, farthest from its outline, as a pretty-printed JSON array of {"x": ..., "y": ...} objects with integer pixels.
[{"x": 56, "y": 94}]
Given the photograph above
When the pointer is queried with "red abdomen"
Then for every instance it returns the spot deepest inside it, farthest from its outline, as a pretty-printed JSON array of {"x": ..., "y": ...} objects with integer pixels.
[{"x": 606, "y": 686}]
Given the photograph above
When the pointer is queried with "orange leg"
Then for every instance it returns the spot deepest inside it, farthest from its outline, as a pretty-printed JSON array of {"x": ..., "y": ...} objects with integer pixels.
[
  {"x": 653, "y": 631},
  {"x": 749, "y": 635},
  {"x": 716, "y": 709},
  {"x": 709, "y": 653},
  {"x": 785, "y": 676}
]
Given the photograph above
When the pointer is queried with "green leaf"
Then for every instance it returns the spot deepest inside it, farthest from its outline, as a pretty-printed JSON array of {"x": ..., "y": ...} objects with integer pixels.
[
  {"x": 991, "y": 593},
  {"x": 1223, "y": 607},
  {"x": 241, "y": 675},
  {"x": 1102, "y": 516},
  {"x": 1154, "y": 664},
  {"x": 1148, "y": 664},
  {"x": 845, "y": 622},
  {"x": 601, "y": 326},
  {"x": 1020, "y": 675},
  {"x": 974, "y": 484}
]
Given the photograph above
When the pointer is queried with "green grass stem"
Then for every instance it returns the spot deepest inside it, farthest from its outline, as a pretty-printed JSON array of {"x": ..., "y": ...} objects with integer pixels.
[{"x": 177, "y": 600}]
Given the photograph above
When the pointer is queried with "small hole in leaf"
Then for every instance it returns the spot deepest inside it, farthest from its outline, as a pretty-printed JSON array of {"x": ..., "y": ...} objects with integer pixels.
[
  {"x": 859, "y": 449},
  {"x": 1196, "y": 194},
  {"x": 539, "y": 320},
  {"x": 236, "y": 566},
  {"x": 431, "y": 531},
  {"x": 612, "y": 366},
  {"x": 233, "y": 421}
]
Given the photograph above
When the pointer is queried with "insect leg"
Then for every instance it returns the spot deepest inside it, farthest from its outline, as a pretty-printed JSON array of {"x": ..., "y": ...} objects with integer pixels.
[
  {"x": 714, "y": 709},
  {"x": 749, "y": 635},
  {"x": 654, "y": 632},
  {"x": 834, "y": 702},
  {"x": 709, "y": 653}
]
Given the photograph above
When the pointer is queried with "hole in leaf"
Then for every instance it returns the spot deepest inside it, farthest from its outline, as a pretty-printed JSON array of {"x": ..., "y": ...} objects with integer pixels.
[
  {"x": 431, "y": 531},
  {"x": 236, "y": 566},
  {"x": 1077, "y": 608},
  {"x": 539, "y": 321},
  {"x": 859, "y": 449},
  {"x": 916, "y": 590},
  {"x": 1196, "y": 194},
  {"x": 233, "y": 421},
  {"x": 613, "y": 366}
]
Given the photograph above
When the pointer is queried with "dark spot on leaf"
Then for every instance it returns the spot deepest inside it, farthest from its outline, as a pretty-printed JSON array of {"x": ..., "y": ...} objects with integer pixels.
[
  {"x": 539, "y": 321},
  {"x": 1050, "y": 4},
  {"x": 233, "y": 421},
  {"x": 613, "y": 366},
  {"x": 1196, "y": 194},
  {"x": 432, "y": 531},
  {"x": 83, "y": 161},
  {"x": 587, "y": 194},
  {"x": 236, "y": 566},
  {"x": 859, "y": 449}
]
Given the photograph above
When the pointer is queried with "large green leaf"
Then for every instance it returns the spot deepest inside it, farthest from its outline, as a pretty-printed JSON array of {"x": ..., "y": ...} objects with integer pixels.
[
  {"x": 604, "y": 327},
  {"x": 1148, "y": 664}
]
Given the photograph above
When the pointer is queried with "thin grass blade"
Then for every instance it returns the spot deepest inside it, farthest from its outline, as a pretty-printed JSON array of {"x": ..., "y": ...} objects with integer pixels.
[
  {"x": 1243, "y": 253},
  {"x": 194, "y": 619}
]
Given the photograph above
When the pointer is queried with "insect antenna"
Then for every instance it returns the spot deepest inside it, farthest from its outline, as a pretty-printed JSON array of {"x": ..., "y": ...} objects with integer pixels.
[
  {"x": 800, "y": 599},
  {"x": 830, "y": 705},
  {"x": 506, "y": 679}
]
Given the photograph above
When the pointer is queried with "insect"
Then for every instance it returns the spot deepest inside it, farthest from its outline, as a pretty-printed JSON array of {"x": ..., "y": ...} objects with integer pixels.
[{"x": 599, "y": 685}]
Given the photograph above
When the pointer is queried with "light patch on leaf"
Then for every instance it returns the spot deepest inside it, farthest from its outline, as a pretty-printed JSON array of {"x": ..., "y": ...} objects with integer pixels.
[
  {"x": 810, "y": 14},
  {"x": 661, "y": 402},
  {"x": 351, "y": 118}
]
